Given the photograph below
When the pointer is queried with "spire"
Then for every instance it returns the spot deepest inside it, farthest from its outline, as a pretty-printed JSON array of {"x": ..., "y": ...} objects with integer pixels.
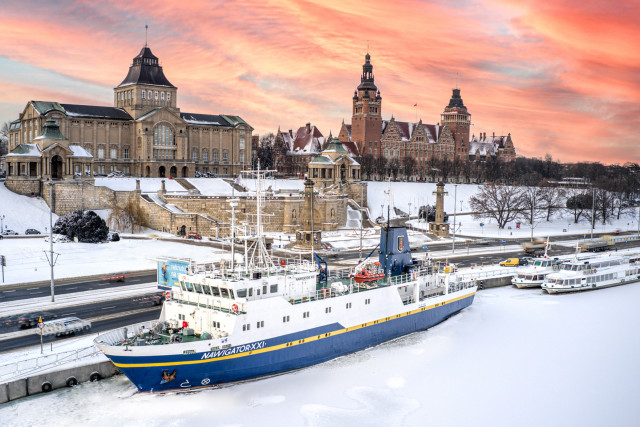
[
  {"x": 367, "y": 79},
  {"x": 456, "y": 100},
  {"x": 146, "y": 31},
  {"x": 146, "y": 70}
]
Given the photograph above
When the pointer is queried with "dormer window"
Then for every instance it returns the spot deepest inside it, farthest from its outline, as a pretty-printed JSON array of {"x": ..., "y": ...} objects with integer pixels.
[{"x": 143, "y": 94}]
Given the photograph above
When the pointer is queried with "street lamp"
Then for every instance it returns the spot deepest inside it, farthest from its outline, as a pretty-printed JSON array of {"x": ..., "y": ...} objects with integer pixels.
[
  {"x": 455, "y": 204},
  {"x": 2, "y": 217}
]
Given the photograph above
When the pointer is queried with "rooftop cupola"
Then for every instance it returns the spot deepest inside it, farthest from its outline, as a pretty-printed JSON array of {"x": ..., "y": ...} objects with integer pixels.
[
  {"x": 367, "y": 79},
  {"x": 145, "y": 70}
]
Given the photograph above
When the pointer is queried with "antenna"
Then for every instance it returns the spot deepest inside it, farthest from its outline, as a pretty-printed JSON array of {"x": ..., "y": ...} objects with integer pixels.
[
  {"x": 367, "y": 46},
  {"x": 146, "y": 28},
  {"x": 456, "y": 80}
]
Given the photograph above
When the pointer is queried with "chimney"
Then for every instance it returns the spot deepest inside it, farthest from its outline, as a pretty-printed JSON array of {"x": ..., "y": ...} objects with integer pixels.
[
  {"x": 494, "y": 134},
  {"x": 308, "y": 127}
]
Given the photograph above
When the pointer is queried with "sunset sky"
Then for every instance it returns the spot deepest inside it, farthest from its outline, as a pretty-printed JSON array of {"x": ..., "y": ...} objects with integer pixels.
[{"x": 562, "y": 76}]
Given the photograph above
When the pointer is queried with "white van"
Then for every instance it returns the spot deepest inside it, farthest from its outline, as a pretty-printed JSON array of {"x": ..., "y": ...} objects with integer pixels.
[{"x": 64, "y": 326}]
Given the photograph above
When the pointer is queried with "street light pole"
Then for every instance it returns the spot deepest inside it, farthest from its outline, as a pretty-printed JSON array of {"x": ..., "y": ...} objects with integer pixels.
[
  {"x": 455, "y": 204},
  {"x": 2, "y": 217},
  {"x": 51, "y": 261}
]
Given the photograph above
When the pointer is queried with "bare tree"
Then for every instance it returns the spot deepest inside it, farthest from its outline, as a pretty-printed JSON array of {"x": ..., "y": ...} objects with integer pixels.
[
  {"x": 552, "y": 199},
  {"x": 500, "y": 202},
  {"x": 580, "y": 202},
  {"x": 532, "y": 210},
  {"x": 4, "y": 138},
  {"x": 409, "y": 166},
  {"x": 603, "y": 205}
]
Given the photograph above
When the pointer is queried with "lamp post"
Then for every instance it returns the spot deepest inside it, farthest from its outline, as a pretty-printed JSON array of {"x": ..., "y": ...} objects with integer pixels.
[
  {"x": 455, "y": 204},
  {"x": 51, "y": 260},
  {"x": 2, "y": 217}
]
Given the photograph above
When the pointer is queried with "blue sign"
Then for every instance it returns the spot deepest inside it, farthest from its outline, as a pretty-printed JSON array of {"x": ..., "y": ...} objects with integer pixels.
[
  {"x": 425, "y": 247},
  {"x": 169, "y": 270}
]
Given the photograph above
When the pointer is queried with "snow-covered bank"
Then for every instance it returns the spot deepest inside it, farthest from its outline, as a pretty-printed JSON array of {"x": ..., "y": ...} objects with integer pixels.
[{"x": 515, "y": 357}]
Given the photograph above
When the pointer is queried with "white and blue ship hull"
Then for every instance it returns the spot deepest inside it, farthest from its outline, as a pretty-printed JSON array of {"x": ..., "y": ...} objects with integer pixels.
[{"x": 182, "y": 370}]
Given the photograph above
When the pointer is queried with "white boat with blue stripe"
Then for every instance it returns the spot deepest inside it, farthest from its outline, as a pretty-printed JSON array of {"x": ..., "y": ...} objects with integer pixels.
[{"x": 271, "y": 316}]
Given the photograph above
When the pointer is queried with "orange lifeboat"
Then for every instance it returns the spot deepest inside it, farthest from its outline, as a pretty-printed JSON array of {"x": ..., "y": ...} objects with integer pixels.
[{"x": 368, "y": 275}]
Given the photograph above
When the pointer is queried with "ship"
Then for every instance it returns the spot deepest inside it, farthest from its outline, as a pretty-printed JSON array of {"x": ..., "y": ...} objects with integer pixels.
[
  {"x": 266, "y": 316},
  {"x": 533, "y": 275},
  {"x": 597, "y": 272}
]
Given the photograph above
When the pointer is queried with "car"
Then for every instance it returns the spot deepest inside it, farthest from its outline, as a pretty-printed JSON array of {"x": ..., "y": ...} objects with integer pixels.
[
  {"x": 10, "y": 233},
  {"x": 510, "y": 262},
  {"x": 484, "y": 241},
  {"x": 194, "y": 236},
  {"x": 114, "y": 277},
  {"x": 30, "y": 320},
  {"x": 526, "y": 260},
  {"x": 31, "y": 231},
  {"x": 617, "y": 231}
]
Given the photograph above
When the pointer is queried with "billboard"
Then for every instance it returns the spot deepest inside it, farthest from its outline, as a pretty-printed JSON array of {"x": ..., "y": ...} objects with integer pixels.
[{"x": 168, "y": 271}]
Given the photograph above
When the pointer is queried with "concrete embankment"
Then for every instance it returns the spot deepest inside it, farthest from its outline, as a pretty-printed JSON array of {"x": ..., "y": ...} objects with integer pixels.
[{"x": 55, "y": 379}]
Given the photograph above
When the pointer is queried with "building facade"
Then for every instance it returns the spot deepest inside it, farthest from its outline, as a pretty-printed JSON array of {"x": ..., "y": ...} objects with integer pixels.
[
  {"x": 144, "y": 133},
  {"x": 450, "y": 139}
]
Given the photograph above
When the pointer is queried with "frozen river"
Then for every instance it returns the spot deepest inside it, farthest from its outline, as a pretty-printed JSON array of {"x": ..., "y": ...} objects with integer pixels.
[{"x": 515, "y": 357}]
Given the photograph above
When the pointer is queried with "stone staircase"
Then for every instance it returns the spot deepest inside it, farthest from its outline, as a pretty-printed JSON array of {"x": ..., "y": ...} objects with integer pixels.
[{"x": 192, "y": 189}]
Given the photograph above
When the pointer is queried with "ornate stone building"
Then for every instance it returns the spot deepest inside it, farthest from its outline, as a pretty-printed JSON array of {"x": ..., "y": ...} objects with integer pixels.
[
  {"x": 334, "y": 165},
  {"x": 450, "y": 139},
  {"x": 143, "y": 134}
]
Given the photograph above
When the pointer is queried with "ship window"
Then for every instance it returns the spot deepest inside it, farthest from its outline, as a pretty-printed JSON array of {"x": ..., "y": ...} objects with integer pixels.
[
  {"x": 231, "y": 294},
  {"x": 327, "y": 310},
  {"x": 348, "y": 305},
  {"x": 274, "y": 288},
  {"x": 246, "y": 327},
  {"x": 367, "y": 301},
  {"x": 181, "y": 317},
  {"x": 215, "y": 324},
  {"x": 250, "y": 292},
  {"x": 215, "y": 291},
  {"x": 264, "y": 289},
  {"x": 242, "y": 293},
  {"x": 206, "y": 289},
  {"x": 285, "y": 319},
  {"x": 260, "y": 324},
  {"x": 305, "y": 315},
  {"x": 198, "y": 287},
  {"x": 224, "y": 292},
  {"x": 182, "y": 286},
  {"x": 189, "y": 287}
]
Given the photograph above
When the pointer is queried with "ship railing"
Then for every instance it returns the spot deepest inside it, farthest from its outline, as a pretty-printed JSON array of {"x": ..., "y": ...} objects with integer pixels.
[
  {"x": 211, "y": 303},
  {"x": 121, "y": 335}
]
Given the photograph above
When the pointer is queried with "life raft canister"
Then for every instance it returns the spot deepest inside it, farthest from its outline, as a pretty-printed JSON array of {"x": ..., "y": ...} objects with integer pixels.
[{"x": 234, "y": 308}]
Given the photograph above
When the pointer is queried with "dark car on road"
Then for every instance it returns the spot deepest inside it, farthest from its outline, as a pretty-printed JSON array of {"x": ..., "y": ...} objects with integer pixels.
[
  {"x": 31, "y": 231},
  {"x": 31, "y": 320}
]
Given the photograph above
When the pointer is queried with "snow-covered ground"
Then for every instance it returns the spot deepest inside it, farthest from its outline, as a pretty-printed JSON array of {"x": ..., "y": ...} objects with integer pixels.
[
  {"x": 514, "y": 358},
  {"x": 27, "y": 261},
  {"x": 22, "y": 212}
]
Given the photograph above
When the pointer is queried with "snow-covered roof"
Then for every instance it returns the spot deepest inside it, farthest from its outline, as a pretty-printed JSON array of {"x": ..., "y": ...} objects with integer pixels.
[
  {"x": 79, "y": 152},
  {"x": 306, "y": 140},
  {"x": 25, "y": 150},
  {"x": 485, "y": 145}
]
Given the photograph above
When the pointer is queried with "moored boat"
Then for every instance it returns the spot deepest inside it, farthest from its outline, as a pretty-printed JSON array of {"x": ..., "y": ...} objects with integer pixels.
[
  {"x": 597, "y": 272},
  {"x": 268, "y": 316}
]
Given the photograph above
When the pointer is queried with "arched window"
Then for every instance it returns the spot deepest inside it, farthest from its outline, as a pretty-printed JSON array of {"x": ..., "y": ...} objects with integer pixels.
[{"x": 163, "y": 135}]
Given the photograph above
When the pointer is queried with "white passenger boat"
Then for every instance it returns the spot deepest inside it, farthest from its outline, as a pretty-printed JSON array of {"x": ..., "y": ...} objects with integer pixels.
[
  {"x": 601, "y": 271},
  {"x": 533, "y": 275}
]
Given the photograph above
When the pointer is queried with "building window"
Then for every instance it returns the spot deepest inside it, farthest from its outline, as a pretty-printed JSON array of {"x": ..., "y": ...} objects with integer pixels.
[
  {"x": 205, "y": 155},
  {"x": 101, "y": 169},
  {"x": 168, "y": 97},
  {"x": 113, "y": 153},
  {"x": 225, "y": 156},
  {"x": 155, "y": 95},
  {"x": 242, "y": 143},
  {"x": 125, "y": 153},
  {"x": 162, "y": 95},
  {"x": 101, "y": 152},
  {"x": 241, "y": 157},
  {"x": 163, "y": 135},
  {"x": 215, "y": 156},
  {"x": 126, "y": 170},
  {"x": 194, "y": 155},
  {"x": 143, "y": 94},
  {"x": 149, "y": 95}
]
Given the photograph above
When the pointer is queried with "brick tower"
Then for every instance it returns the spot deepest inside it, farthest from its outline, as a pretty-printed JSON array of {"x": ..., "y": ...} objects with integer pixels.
[
  {"x": 366, "y": 125},
  {"x": 458, "y": 119}
]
